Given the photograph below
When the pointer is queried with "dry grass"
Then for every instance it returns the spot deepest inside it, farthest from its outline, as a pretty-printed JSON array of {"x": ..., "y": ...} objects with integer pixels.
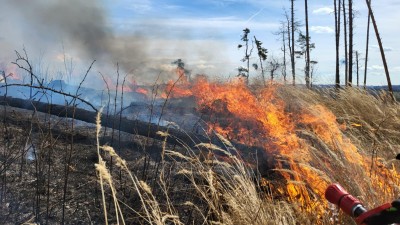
[
  {"x": 370, "y": 122},
  {"x": 227, "y": 189},
  {"x": 229, "y": 192}
]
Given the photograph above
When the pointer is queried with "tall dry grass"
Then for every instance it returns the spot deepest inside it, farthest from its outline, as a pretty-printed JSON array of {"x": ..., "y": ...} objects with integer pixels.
[
  {"x": 230, "y": 192},
  {"x": 370, "y": 122}
]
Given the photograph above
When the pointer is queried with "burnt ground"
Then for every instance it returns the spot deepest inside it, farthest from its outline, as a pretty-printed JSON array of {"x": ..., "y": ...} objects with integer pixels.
[
  {"x": 47, "y": 171},
  {"x": 48, "y": 176}
]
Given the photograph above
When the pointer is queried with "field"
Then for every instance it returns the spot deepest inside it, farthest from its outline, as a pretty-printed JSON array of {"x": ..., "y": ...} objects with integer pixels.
[{"x": 244, "y": 155}]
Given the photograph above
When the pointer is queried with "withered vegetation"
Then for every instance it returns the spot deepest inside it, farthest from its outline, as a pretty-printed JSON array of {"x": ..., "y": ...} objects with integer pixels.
[{"x": 55, "y": 169}]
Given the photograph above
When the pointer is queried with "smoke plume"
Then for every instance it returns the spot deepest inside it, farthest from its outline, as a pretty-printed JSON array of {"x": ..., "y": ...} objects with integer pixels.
[{"x": 83, "y": 28}]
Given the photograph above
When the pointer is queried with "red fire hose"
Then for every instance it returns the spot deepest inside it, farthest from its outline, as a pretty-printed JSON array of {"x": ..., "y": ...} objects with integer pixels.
[{"x": 386, "y": 214}]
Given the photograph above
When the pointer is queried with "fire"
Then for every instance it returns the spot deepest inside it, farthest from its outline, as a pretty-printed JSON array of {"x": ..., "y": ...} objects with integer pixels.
[
  {"x": 323, "y": 123},
  {"x": 126, "y": 86},
  {"x": 260, "y": 114},
  {"x": 260, "y": 119},
  {"x": 176, "y": 90},
  {"x": 179, "y": 88},
  {"x": 308, "y": 164},
  {"x": 142, "y": 91},
  {"x": 11, "y": 72}
]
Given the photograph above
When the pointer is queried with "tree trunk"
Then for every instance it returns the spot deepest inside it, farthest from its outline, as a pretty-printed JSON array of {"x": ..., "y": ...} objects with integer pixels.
[
  {"x": 289, "y": 40},
  {"x": 293, "y": 48},
  {"x": 262, "y": 73},
  {"x": 271, "y": 73},
  {"x": 248, "y": 62},
  {"x": 381, "y": 49},
  {"x": 337, "y": 31},
  {"x": 345, "y": 44},
  {"x": 307, "y": 46},
  {"x": 284, "y": 53},
  {"x": 350, "y": 42},
  {"x": 366, "y": 49},
  {"x": 357, "y": 68}
]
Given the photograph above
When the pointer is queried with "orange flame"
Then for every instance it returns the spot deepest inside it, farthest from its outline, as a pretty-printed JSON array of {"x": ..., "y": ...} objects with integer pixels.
[
  {"x": 142, "y": 91},
  {"x": 309, "y": 163},
  {"x": 179, "y": 88},
  {"x": 11, "y": 72}
]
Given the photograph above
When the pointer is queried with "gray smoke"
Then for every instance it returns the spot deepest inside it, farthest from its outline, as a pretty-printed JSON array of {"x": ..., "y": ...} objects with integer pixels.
[
  {"x": 83, "y": 28},
  {"x": 80, "y": 24}
]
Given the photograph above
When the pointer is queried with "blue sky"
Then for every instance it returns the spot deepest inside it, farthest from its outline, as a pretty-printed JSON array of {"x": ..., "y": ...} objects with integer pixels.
[
  {"x": 221, "y": 22},
  {"x": 204, "y": 33}
]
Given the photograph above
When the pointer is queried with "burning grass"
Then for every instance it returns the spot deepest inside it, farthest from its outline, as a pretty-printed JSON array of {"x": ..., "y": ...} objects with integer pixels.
[
  {"x": 227, "y": 191},
  {"x": 308, "y": 139},
  {"x": 314, "y": 138}
]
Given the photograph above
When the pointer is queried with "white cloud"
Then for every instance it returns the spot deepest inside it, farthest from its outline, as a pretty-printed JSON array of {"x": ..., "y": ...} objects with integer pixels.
[
  {"x": 386, "y": 49},
  {"x": 322, "y": 29},
  {"x": 223, "y": 2},
  {"x": 139, "y": 5},
  {"x": 172, "y": 7},
  {"x": 167, "y": 67},
  {"x": 205, "y": 66},
  {"x": 375, "y": 67},
  {"x": 257, "y": 3},
  {"x": 222, "y": 23},
  {"x": 323, "y": 11},
  {"x": 225, "y": 23}
]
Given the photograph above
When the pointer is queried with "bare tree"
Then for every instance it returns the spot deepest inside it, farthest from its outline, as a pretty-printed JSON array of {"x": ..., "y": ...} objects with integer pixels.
[
  {"x": 289, "y": 39},
  {"x": 293, "y": 47},
  {"x": 350, "y": 42},
  {"x": 262, "y": 55},
  {"x": 345, "y": 44},
  {"x": 282, "y": 37},
  {"x": 33, "y": 78},
  {"x": 381, "y": 49},
  {"x": 337, "y": 8},
  {"x": 305, "y": 49},
  {"x": 292, "y": 26},
  {"x": 367, "y": 48},
  {"x": 273, "y": 67},
  {"x": 358, "y": 68},
  {"x": 307, "y": 67},
  {"x": 245, "y": 73}
]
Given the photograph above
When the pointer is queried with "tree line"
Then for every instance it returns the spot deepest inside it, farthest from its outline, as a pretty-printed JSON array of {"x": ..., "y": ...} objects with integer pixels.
[{"x": 295, "y": 45}]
